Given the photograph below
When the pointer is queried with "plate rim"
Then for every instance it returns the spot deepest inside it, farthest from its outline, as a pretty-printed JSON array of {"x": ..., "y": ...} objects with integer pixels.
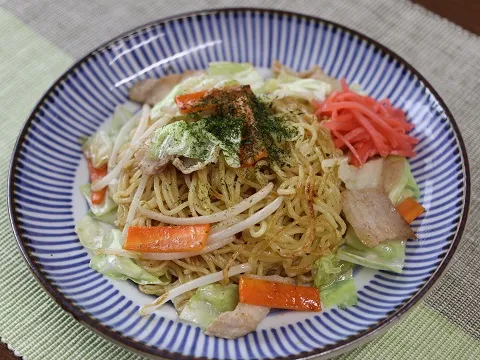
[{"x": 130, "y": 343}]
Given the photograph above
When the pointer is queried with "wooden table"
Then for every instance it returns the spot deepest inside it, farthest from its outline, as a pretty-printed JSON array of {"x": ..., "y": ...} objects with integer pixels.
[{"x": 465, "y": 13}]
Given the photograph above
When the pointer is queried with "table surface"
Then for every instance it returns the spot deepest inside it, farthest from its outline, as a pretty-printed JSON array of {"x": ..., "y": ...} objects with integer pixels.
[{"x": 462, "y": 12}]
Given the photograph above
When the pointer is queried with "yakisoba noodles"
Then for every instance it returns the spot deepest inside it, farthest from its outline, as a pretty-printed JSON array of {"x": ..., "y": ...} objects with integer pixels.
[
  {"x": 306, "y": 226},
  {"x": 230, "y": 174}
]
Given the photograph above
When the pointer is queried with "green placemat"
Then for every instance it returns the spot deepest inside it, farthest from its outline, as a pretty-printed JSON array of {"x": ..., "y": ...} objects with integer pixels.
[{"x": 39, "y": 40}]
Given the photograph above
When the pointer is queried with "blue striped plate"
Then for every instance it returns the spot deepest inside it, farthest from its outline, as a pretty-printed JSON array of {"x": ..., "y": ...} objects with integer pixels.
[{"x": 47, "y": 168}]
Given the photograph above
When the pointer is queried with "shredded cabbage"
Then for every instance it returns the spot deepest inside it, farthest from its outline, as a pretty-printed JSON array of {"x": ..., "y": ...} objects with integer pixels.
[
  {"x": 334, "y": 278},
  {"x": 208, "y": 302},
  {"x": 388, "y": 255},
  {"x": 329, "y": 267}
]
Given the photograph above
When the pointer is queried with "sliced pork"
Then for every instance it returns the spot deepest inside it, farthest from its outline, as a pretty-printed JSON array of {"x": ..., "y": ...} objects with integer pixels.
[{"x": 373, "y": 217}]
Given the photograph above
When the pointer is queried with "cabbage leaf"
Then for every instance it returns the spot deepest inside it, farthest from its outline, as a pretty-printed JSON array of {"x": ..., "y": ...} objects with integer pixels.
[
  {"x": 92, "y": 236},
  {"x": 342, "y": 292},
  {"x": 406, "y": 186},
  {"x": 289, "y": 85},
  {"x": 193, "y": 141},
  {"x": 119, "y": 267},
  {"x": 388, "y": 255},
  {"x": 100, "y": 210},
  {"x": 108, "y": 218},
  {"x": 242, "y": 73},
  {"x": 90, "y": 232},
  {"x": 334, "y": 278},
  {"x": 208, "y": 302},
  {"x": 98, "y": 148},
  {"x": 369, "y": 176}
]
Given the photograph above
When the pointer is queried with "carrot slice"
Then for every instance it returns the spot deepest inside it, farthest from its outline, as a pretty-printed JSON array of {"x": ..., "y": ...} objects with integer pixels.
[
  {"x": 164, "y": 239},
  {"x": 410, "y": 209},
  {"x": 278, "y": 295},
  {"x": 192, "y": 102},
  {"x": 97, "y": 197}
]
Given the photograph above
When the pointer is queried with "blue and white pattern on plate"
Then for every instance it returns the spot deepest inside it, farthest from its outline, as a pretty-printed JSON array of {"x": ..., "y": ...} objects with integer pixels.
[{"x": 47, "y": 168}]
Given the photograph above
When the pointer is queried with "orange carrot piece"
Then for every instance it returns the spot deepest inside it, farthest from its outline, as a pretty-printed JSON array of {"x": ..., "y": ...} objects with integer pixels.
[
  {"x": 97, "y": 197},
  {"x": 164, "y": 239},
  {"x": 278, "y": 295},
  {"x": 410, "y": 209},
  {"x": 192, "y": 102}
]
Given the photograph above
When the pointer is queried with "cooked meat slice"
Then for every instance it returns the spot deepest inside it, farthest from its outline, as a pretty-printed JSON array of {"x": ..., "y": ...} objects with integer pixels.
[
  {"x": 152, "y": 91},
  {"x": 373, "y": 217},
  {"x": 237, "y": 323},
  {"x": 244, "y": 319},
  {"x": 315, "y": 72}
]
